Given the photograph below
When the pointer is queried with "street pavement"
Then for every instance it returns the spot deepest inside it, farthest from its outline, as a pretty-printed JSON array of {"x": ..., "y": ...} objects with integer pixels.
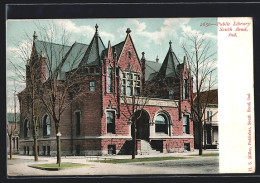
[{"x": 194, "y": 165}]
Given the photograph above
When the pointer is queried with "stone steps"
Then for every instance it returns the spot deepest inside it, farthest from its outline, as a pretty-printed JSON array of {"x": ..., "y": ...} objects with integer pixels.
[{"x": 146, "y": 148}]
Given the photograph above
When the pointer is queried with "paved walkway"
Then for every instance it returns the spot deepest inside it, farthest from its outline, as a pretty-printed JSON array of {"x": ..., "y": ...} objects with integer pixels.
[{"x": 19, "y": 166}]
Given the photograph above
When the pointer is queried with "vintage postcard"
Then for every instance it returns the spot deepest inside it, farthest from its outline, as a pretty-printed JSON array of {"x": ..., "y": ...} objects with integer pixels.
[{"x": 130, "y": 96}]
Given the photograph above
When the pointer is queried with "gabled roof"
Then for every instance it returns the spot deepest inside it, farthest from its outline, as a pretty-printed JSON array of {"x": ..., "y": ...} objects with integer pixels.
[
  {"x": 118, "y": 48},
  {"x": 93, "y": 53},
  {"x": 74, "y": 57},
  {"x": 55, "y": 54},
  {"x": 169, "y": 65},
  {"x": 212, "y": 97}
]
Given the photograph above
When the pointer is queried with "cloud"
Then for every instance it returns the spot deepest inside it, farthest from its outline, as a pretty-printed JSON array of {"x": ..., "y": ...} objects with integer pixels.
[
  {"x": 167, "y": 31},
  {"x": 187, "y": 30},
  {"x": 82, "y": 30}
]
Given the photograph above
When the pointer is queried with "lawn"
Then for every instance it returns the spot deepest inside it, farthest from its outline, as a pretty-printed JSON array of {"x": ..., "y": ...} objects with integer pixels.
[
  {"x": 54, "y": 166},
  {"x": 139, "y": 160},
  {"x": 206, "y": 155}
]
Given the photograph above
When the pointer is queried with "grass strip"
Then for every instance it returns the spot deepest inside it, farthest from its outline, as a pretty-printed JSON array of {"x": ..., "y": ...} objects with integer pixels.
[
  {"x": 138, "y": 160},
  {"x": 206, "y": 155},
  {"x": 54, "y": 166}
]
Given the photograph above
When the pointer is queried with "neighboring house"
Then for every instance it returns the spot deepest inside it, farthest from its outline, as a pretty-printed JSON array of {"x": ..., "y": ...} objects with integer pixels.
[
  {"x": 210, "y": 121},
  {"x": 98, "y": 123},
  {"x": 11, "y": 126}
]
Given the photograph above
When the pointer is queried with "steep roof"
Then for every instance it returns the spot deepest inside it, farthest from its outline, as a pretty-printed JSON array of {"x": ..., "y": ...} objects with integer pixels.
[
  {"x": 212, "y": 97},
  {"x": 74, "y": 57},
  {"x": 151, "y": 69},
  {"x": 94, "y": 50},
  {"x": 55, "y": 54},
  {"x": 169, "y": 65},
  {"x": 115, "y": 49}
]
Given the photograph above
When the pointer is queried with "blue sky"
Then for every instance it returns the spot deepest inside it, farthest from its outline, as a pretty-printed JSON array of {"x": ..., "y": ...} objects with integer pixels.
[{"x": 151, "y": 35}]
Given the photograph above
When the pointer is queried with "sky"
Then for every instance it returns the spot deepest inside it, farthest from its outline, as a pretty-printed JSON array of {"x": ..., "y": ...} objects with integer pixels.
[{"x": 150, "y": 35}]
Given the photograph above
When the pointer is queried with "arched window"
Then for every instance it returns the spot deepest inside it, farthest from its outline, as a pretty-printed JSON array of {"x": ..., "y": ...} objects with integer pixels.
[
  {"x": 46, "y": 125},
  {"x": 109, "y": 80},
  {"x": 161, "y": 124},
  {"x": 26, "y": 128}
]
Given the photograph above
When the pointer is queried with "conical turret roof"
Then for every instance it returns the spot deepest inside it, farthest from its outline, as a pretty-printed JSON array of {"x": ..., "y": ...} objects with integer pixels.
[
  {"x": 93, "y": 53},
  {"x": 169, "y": 65}
]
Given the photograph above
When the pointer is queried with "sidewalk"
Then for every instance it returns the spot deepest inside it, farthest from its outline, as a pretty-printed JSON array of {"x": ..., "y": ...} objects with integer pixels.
[{"x": 19, "y": 166}]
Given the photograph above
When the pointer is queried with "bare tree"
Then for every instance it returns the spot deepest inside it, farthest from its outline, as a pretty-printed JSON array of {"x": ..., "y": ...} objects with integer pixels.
[
  {"x": 28, "y": 75},
  {"x": 200, "y": 53},
  {"x": 12, "y": 130},
  {"x": 60, "y": 75}
]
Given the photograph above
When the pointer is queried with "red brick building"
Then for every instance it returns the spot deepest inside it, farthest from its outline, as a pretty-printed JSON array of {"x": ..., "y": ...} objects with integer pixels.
[{"x": 99, "y": 122}]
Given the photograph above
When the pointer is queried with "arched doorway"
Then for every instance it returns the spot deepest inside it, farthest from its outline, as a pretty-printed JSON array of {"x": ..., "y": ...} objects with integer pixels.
[{"x": 142, "y": 125}]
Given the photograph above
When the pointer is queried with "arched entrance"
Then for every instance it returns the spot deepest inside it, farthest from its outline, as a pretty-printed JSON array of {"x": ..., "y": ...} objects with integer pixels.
[{"x": 142, "y": 125}]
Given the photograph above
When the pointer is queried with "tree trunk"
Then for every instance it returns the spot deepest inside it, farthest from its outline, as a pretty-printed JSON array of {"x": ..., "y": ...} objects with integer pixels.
[
  {"x": 10, "y": 146},
  {"x": 134, "y": 140},
  {"x": 35, "y": 146},
  {"x": 58, "y": 146},
  {"x": 200, "y": 137}
]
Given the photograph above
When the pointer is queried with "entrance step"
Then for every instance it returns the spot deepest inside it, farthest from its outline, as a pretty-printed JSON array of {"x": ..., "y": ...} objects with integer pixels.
[{"x": 146, "y": 148}]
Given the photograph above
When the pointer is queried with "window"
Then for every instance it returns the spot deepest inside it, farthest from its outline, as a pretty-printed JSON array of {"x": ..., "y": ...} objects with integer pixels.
[
  {"x": 186, "y": 147},
  {"x": 17, "y": 143},
  {"x": 209, "y": 116},
  {"x": 46, "y": 125},
  {"x": 185, "y": 89},
  {"x": 92, "y": 70},
  {"x": 161, "y": 124},
  {"x": 130, "y": 84},
  {"x": 171, "y": 93},
  {"x": 97, "y": 70},
  {"x": 77, "y": 120},
  {"x": 78, "y": 149},
  {"x": 110, "y": 121},
  {"x": 109, "y": 79},
  {"x": 111, "y": 149},
  {"x": 129, "y": 54},
  {"x": 92, "y": 86},
  {"x": 26, "y": 128},
  {"x": 44, "y": 150},
  {"x": 186, "y": 125},
  {"x": 48, "y": 150}
]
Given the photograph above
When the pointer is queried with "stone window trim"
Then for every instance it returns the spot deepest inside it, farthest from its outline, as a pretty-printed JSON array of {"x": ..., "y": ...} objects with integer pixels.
[
  {"x": 168, "y": 122},
  {"x": 186, "y": 126},
  {"x": 43, "y": 126},
  {"x": 113, "y": 130},
  {"x": 75, "y": 121},
  {"x": 130, "y": 83}
]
